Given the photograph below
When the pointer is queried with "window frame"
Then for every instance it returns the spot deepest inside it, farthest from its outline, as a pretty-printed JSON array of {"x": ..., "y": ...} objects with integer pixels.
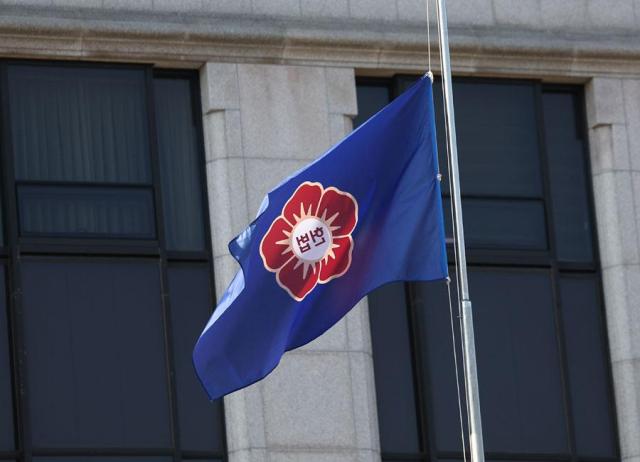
[
  {"x": 514, "y": 259},
  {"x": 71, "y": 248}
]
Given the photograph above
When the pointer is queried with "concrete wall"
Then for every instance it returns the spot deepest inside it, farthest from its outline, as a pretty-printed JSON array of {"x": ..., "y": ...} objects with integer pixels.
[{"x": 278, "y": 88}]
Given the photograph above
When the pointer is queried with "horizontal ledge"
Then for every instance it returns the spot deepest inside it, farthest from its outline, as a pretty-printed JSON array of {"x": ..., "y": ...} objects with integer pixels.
[{"x": 170, "y": 29}]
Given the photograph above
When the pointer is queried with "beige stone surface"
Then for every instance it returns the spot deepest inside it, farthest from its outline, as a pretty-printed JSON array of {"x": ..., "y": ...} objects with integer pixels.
[
  {"x": 613, "y": 127},
  {"x": 284, "y": 111}
]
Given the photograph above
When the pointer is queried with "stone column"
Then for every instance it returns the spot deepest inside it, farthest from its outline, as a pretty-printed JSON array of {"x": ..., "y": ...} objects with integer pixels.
[
  {"x": 613, "y": 112},
  {"x": 261, "y": 123}
]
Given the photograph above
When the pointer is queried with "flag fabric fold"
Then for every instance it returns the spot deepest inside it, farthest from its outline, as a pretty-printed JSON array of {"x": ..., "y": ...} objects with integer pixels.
[{"x": 366, "y": 213}]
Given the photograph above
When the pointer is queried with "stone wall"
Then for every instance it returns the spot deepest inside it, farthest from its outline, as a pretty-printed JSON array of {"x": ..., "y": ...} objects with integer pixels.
[{"x": 613, "y": 112}]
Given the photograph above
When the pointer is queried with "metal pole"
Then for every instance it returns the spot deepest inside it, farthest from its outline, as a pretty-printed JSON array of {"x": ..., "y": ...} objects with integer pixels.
[{"x": 471, "y": 371}]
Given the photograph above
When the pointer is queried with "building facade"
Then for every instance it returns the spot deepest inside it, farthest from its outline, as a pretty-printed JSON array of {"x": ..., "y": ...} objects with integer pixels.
[{"x": 139, "y": 136}]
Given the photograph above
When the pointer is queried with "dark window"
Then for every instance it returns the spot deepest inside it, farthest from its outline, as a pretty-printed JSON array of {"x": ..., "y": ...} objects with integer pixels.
[
  {"x": 78, "y": 135},
  {"x": 545, "y": 386},
  {"x": 78, "y": 211},
  {"x": 518, "y": 361},
  {"x": 108, "y": 266},
  {"x": 102, "y": 459},
  {"x": 396, "y": 397},
  {"x": 586, "y": 346},
  {"x": 96, "y": 370},
  {"x": 190, "y": 288},
  {"x": 503, "y": 138},
  {"x": 565, "y": 147},
  {"x": 71, "y": 124},
  {"x": 6, "y": 402},
  {"x": 180, "y": 171},
  {"x": 495, "y": 223}
]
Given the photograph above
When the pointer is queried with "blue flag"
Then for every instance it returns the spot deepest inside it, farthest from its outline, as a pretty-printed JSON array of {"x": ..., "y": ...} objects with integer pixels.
[{"x": 366, "y": 213}]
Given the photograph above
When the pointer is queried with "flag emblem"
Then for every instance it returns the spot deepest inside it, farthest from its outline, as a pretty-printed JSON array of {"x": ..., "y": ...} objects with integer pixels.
[{"x": 310, "y": 242}]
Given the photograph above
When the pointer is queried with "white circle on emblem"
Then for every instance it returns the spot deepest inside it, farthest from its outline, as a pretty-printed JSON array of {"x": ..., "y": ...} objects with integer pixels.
[{"x": 311, "y": 239}]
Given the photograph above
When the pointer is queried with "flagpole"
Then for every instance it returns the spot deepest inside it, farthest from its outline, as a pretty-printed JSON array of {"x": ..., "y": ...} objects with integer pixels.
[{"x": 468, "y": 339}]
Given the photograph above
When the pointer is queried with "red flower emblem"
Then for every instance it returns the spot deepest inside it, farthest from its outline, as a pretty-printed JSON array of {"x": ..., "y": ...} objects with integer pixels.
[{"x": 310, "y": 242}]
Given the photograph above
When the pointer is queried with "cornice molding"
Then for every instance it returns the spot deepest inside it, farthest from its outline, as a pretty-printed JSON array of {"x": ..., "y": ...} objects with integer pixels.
[{"x": 189, "y": 39}]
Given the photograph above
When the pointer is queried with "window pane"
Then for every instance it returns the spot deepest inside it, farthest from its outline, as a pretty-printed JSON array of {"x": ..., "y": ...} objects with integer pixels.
[
  {"x": 201, "y": 422},
  {"x": 79, "y": 124},
  {"x": 432, "y": 306},
  {"x": 86, "y": 211},
  {"x": 393, "y": 372},
  {"x": 587, "y": 363},
  {"x": 569, "y": 183},
  {"x": 103, "y": 459},
  {"x": 6, "y": 402},
  {"x": 96, "y": 371},
  {"x": 202, "y": 460},
  {"x": 499, "y": 156},
  {"x": 371, "y": 98},
  {"x": 496, "y": 133},
  {"x": 518, "y": 362},
  {"x": 497, "y": 138},
  {"x": 180, "y": 165},
  {"x": 386, "y": 459},
  {"x": 403, "y": 82},
  {"x": 501, "y": 223},
  {"x": 513, "y": 459},
  {"x": 2, "y": 244}
]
